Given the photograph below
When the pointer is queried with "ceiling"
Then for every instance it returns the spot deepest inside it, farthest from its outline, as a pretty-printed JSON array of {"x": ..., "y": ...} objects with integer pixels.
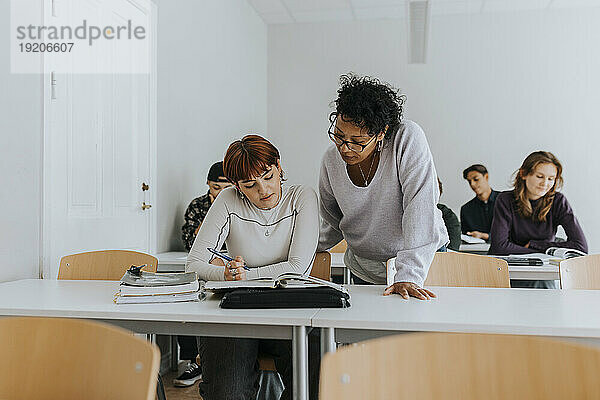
[{"x": 301, "y": 11}]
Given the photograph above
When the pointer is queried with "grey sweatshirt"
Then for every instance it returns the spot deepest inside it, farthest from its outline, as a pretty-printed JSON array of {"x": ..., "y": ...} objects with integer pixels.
[{"x": 396, "y": 215}]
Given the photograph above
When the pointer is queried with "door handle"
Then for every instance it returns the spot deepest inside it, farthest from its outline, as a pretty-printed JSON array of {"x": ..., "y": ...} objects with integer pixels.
[{"x": 146, "y": 206}]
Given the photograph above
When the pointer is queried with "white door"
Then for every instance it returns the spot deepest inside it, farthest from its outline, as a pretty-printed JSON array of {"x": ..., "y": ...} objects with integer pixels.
[{"x": 99, "y": 139}]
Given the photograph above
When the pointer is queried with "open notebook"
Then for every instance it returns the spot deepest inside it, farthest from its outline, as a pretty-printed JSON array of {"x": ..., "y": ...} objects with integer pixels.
[
  {"x": 553, "y": 255},
  {"x": 286, "y": 280}
]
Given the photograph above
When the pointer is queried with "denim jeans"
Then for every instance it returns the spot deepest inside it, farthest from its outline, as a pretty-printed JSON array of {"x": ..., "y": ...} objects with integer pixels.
[
  {"x": 188, "y": 349},
  {"x": 230, "y": 366}
]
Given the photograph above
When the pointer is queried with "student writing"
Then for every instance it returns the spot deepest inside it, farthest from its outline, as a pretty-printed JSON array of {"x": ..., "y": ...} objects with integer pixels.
[{"x": 269, "y": 227}]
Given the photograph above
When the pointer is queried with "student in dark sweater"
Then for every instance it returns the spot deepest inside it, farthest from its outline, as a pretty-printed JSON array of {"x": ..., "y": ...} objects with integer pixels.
[
  {"x": 476, "y": 215},
  {"x": 451, "y": 222},
  {"x": 527, "y": 217}
]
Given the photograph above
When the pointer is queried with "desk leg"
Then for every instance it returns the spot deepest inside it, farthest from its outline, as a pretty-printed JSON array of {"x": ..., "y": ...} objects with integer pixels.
[
  {"x": 174, "y": 353},
  {"x": 347, "y": 276},
  {"x": 300, "y": 360},
  {"x": 328, "y": 341}
]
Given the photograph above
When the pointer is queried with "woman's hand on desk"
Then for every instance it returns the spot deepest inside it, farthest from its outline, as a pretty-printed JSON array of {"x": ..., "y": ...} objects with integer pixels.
[
  {"x": 409, "y": 289},
  {"x": 234, "y": 270}
]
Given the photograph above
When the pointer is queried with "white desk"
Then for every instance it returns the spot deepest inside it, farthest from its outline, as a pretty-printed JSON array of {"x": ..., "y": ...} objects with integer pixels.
[
  {"x": 542, "y": 273},
  {"x": 557, "y": 313},
  {"x": 93, "y": 300},
  {"x": 339, "y": 268},
  {"x": 475, "y": 248},
  {"x": 173, "y": 261}
]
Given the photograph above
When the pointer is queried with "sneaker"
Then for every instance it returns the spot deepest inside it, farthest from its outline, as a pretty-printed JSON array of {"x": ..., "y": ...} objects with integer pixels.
[{"x": 191, "y": 375}]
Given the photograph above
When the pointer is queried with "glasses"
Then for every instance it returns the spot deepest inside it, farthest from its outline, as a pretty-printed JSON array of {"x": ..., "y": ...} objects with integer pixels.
[{"x": 339, "y": 140}]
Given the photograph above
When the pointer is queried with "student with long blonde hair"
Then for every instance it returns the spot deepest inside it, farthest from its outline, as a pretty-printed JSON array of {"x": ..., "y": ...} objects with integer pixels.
[{"x": 526, "y": 218}]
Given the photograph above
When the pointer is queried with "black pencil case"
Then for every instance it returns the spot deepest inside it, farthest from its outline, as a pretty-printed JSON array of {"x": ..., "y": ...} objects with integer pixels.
[{"x": 314, "y": 297}]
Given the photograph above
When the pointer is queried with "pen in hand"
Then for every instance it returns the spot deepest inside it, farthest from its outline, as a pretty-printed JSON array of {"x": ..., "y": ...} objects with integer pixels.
[{"x": 224, "y": 256}]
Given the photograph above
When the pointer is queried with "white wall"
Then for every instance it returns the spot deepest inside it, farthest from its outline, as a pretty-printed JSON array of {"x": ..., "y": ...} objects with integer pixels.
[
  {"x": 495, "y": 88},
  {"x": 212, "y": 89},
  {"x": 20, "y": 165}
]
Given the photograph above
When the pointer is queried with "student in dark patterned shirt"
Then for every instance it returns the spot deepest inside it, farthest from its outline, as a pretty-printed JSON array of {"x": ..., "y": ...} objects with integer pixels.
[
  {"x": 194, "y": 215},
  {"x": 196, "y": 211}
]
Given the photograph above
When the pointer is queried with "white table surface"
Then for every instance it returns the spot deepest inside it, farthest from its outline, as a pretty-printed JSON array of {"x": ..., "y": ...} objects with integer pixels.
[
  {"x": 172, "y": 258},
  {"x": 94, "y": 300},
  {"x": 175, "y": 260},
  {"x": 564, "y": 313},
  {"x": 474, "y": 247}
]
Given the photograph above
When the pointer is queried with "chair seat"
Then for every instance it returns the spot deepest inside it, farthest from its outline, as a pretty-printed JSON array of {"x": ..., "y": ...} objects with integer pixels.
[{"x": 266, "y": 363}]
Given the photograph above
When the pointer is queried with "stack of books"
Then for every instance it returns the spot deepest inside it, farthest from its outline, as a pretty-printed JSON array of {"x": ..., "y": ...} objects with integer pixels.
[{"x": 148, "y": 287}]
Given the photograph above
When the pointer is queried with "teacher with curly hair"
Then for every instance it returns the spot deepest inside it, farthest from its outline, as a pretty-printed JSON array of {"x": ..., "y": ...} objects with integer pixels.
[{"x": 379, "y": 189}]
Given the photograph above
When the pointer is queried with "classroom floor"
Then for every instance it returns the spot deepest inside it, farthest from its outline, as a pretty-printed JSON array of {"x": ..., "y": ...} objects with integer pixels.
[{"x": 175, "y": 393}]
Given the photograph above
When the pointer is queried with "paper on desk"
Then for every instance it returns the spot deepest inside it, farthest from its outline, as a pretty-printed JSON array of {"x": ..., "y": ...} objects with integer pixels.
[{"x": 470, "y": 239}]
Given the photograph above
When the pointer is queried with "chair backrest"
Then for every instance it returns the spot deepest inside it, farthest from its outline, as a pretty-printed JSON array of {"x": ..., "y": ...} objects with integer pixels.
[
  {"x": 61, "y": 356},
  {"x": 580, "y": 272},
  {"x": 467, "y": 270},
  {"x": 108, "y": 265},
  {"x": 339, "y": 248},
  {"x": 322, "y": 266},
  {"x": 435, "y": 366}
]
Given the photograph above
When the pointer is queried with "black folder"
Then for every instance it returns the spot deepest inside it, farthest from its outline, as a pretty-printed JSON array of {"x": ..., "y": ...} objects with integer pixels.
[{"x": 286, "y": 297}]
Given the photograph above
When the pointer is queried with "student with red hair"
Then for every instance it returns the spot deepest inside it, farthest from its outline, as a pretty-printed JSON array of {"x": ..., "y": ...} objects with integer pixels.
[{"x": 270, "y": 228}]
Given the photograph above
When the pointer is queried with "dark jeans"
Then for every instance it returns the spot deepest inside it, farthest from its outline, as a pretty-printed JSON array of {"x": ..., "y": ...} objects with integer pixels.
[
  {"x": 230, "y": 366},
  {"x": 188, "y": 349}
]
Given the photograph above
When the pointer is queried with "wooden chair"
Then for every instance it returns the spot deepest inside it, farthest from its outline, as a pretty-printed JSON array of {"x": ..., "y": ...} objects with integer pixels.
[
  {"x": 61, "y": 359},
  {"x": 108, "y": 265},
  {"x": 463, "y": 270},
  {"x": 580, "y": 272},
  {"x": 467, "y": 270},
  {"x": 339, "y": 248},
  {"x": 435, "y": 366},
  {"x": 322, "y": 266}
]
